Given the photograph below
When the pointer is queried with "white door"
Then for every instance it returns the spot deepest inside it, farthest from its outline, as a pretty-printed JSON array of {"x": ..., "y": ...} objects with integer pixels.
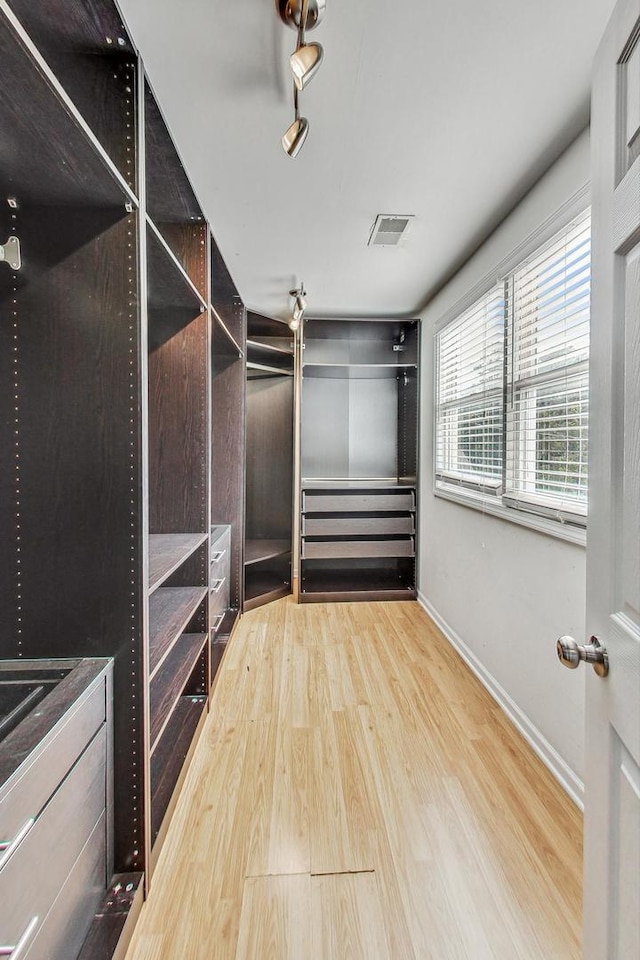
[{"x": 612, "y": 775}]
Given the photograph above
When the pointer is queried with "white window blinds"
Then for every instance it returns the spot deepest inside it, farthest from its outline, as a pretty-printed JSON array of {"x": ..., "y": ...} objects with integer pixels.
[
  {"x": 512, "y": 386},
  {"x": 470, "y": 396},
  {"x": 548, "y": 309}
]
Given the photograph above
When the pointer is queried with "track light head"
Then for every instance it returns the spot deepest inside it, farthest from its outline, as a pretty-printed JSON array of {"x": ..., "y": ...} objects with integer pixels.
[
  {"x": 299, "y": 306},
  {"x": 294, "y": 138},
  {"x": 305, "y": 63}
]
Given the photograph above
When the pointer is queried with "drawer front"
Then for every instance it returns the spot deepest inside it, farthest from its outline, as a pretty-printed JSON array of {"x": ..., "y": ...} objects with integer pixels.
[
  {"x": 219, "y": 597},
  {"x": 357, "y": 549},
  {"x": 66, "y": 925},
  {"x": 33, "y": 876},
  {"x": 28, "y": 795},
  {"x": 357, "y": 502},
  {"x": 221, "y": 566},
  {"x": 349, "y": 526},
  {"x": 220, "y": 541}
]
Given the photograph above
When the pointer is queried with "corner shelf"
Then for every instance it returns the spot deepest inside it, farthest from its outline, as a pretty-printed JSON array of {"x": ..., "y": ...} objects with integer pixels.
[{"x": 256, "y": 551}]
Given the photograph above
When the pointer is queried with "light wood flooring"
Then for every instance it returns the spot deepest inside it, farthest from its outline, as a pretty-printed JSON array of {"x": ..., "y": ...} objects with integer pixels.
[{"x": 357, "y": 794}]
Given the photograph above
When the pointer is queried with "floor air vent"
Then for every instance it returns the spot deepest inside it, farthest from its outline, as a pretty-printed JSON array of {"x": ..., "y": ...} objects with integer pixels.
[{"x": 389, "y": 230}]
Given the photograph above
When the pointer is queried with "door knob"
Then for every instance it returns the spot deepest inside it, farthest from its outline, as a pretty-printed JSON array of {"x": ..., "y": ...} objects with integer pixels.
[{"x": 571, "y": 653}]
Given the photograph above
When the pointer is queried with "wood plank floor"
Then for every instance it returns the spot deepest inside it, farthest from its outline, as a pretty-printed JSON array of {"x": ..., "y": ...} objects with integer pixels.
[{"x": 357, "y": 794}]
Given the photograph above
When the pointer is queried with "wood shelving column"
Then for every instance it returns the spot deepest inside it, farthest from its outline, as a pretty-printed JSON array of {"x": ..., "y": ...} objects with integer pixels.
[
  {"x": 269, "y": 459},
  {"x": 178, "y": 466},
  {"x": 228, "y": 344}
]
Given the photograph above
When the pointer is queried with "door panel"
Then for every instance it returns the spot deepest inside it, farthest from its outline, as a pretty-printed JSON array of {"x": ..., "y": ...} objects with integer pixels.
[{"x": 612, "y": 777}]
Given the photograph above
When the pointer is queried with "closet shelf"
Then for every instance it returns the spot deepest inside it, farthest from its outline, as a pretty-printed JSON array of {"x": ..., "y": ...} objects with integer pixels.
[
  {"x": 270, "y": 348},
  {"x": 169, "y": 283},
  {"x": 170, "y": 610},
  {"x": 167, "y": 552},
  {"x": 170, "y": 680},
  {"x": 55, "y": 159},
  {"x": 263, "y": 368},
  {"x": 220, "y": 325},
  {"x": 258, "y": 550}
]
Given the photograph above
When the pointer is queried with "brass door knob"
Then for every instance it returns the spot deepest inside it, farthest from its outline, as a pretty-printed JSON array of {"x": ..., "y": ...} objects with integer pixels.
[{"x": 571, "y": 654}]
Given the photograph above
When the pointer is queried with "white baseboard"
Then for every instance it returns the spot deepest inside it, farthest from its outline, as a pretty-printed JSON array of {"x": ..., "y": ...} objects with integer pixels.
[{"x": 549, "y": 756}]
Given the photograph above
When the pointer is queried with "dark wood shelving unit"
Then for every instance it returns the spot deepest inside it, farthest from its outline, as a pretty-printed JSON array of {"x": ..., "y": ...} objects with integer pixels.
[
  {"x": 269, "y": 459},
  {"x": 179, "y": 376},
  {"x": 127, "y": 385},
  {"x": 359, "y": 460},
  {"x": 170, "y": 610},
  {"x": 228, "y": 432}
]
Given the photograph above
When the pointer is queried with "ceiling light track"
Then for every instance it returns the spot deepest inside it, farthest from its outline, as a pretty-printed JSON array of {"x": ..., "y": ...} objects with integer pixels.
[{"x": 301, "y": 15}]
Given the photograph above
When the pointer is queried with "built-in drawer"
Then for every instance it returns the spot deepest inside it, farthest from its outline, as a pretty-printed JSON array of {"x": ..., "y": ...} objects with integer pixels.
[
  {"x": 357, "y": 502},
  {"x": 221, "y": 566},
  {"x": 356, "y": 549},
  {"x": 219, "y": 596},
  {"x": 35, "y": 782},
  {"x": 362, "y": 526},
  {"x": 38, "y": 868},
  {"x": 65, "y": 927},
  {"x": 220, "y": 543}
]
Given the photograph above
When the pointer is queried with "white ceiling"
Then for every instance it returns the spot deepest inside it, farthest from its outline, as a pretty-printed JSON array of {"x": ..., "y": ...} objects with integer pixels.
[{"x": 446, "y": 110}]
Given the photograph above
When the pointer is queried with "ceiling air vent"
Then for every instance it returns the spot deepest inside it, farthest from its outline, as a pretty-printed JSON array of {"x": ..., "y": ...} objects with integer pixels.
[{"x": 389, "y": 230}]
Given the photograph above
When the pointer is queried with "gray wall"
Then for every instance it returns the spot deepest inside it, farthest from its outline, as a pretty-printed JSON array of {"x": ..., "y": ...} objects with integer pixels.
[{"x": 503, "y": 592}]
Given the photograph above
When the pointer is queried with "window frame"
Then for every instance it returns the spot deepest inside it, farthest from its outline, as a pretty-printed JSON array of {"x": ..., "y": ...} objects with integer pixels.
[{"x": 564, "y": 524}]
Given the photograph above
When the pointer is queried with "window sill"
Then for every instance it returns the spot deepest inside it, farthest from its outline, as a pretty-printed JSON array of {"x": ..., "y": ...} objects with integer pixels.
[{"x": 552, "y": 528}]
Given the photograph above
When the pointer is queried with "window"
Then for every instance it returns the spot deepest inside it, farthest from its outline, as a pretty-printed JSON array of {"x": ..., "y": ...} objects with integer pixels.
[{"x": 512, "y": 389}]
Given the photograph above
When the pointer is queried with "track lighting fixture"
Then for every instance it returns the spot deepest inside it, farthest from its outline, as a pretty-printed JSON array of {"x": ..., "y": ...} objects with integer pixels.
[
  {"x": 299, "y": 307},
  {"x": 294, "y": 138},
  {"x": 301, "y": 15},
  {"x": 305, "y": 63}
]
